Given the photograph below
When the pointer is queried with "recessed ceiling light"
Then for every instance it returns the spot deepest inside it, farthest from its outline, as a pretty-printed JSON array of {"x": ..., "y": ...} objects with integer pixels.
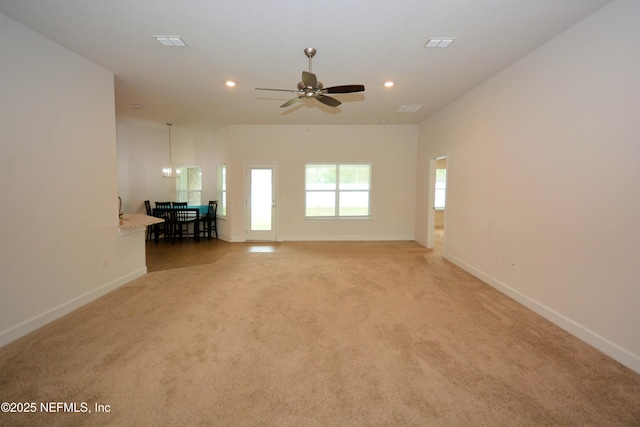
[
  {"x": 230, "y": 83},
  {"x": 440, "y": 42},
  {"x": 170, "y": 41},
  {"x": 388, "y": 84},
  {"x": 409, "y": 108}
]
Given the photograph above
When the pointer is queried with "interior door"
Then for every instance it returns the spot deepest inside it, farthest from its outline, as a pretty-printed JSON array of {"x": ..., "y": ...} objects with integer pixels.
[{"x": 261, "y": 201}]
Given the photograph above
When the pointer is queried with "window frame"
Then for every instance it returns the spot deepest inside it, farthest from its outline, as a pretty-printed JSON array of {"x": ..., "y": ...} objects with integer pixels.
[
  {"x": 337, "y": 191},
  {"x": 183, "y": 175},
  {"x": 222, "y": 191}
]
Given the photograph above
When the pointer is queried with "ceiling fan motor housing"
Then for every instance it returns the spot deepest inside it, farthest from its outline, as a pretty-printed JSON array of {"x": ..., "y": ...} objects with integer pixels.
[{"x": 303, "y": 88}]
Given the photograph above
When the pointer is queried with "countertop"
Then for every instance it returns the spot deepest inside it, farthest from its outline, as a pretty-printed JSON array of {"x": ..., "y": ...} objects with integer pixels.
[{"x": 134, "y": 220}]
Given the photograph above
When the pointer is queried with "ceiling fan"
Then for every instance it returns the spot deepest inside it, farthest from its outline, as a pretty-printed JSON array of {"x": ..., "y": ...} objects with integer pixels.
[{"x": 310, "y": 87}]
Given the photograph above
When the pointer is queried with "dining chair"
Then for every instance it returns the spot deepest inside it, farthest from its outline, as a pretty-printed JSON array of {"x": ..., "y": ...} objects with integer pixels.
[
  {"x": 147, "y": 206},
  {"x": 209, "y": 221},
  {"x": 163, "y": 210},
  {"x": 181, "y": 220}
]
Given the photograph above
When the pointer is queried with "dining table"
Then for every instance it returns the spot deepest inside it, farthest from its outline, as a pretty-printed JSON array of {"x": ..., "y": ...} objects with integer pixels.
[{"x": 194, "y": 213}]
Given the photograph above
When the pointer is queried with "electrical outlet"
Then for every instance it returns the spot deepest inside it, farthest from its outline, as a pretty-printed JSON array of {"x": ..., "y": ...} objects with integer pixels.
[{"x": 513, "y": 265}]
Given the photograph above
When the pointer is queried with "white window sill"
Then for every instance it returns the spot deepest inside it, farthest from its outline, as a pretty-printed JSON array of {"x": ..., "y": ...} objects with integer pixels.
[{"x": 336, "y": 218}]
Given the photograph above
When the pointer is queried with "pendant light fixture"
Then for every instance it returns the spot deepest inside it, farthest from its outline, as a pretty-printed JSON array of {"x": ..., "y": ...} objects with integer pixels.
[{"x": 171, "y": 171}]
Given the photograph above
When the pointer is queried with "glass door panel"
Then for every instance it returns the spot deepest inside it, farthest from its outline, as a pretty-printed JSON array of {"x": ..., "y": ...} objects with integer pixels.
[{"x": 261, "y": 202}]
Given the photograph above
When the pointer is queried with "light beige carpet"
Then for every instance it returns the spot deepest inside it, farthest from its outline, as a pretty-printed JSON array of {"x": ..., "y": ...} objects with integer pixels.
[{"x": 314, "y": 334}]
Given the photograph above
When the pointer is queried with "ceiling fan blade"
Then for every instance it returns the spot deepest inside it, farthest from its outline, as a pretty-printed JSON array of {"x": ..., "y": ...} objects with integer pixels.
[
  {"x": 327, "y": 100},
  {"x": 279, "y": 90},
  {"x": 309, "y": 79},
  {"x": 291, "y": 101},
  {"x": 345, "y": 89}
]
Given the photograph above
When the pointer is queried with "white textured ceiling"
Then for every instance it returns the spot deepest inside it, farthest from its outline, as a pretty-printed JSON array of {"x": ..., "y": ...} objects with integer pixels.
[{"x": 260, "y": 43}]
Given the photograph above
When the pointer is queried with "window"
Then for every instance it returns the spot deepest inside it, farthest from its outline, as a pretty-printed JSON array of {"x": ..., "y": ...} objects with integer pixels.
[
  {"x": 441, "y": 188},
  {"x": 336, "y": 190},
  {"x": 222, "y": 190},
  {"x": 189, "y": 185}
]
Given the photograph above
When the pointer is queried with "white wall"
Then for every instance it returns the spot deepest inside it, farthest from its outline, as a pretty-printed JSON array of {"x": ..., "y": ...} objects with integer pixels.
[
  {"x": 59, "y": 216},
  {"x": 221, "y": 155},
  {"x": 144, "y": 151},
  {"x": 543, "y": 173},
  {"x": 390, "y": 149}
]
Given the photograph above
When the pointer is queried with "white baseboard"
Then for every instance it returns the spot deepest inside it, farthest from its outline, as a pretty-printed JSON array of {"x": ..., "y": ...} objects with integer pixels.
[
  {"x": 359, "y": 238},
  {"x": 316, "y": 238},
  {"x": 611, "y": 349},
  {"x": 54, "y": 313}
]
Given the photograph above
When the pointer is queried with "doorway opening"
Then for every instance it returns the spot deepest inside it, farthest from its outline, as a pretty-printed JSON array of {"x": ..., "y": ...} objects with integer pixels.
[
  {"x": 440, "y": 202},
  {"x": 437, "y": 202}
]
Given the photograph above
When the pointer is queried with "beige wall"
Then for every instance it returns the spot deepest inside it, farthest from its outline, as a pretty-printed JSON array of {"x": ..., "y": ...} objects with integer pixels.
[
  {"x": 543, "y": 173},
  {"x": 58, "y": 170}
]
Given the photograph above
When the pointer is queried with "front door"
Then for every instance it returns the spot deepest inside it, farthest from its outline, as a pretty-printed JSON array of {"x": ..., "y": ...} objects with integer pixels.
[{"x": 261, "y": 201}]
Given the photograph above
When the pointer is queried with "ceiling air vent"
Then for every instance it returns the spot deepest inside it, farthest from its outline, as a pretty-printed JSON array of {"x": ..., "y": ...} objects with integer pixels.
[
  {"x": 170, "y": 41},
  {"x": 440, "y": 42},
  {"x": 409, "y": 108}
]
